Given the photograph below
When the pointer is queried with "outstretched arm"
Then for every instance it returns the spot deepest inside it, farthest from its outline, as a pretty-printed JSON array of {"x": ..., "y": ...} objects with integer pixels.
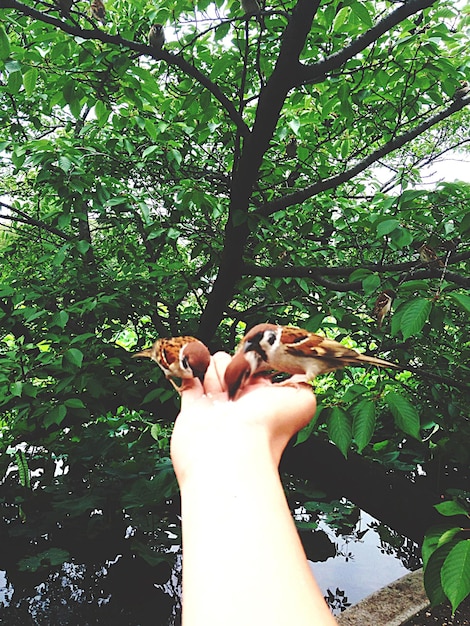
[{"x": 243, "y": 562}]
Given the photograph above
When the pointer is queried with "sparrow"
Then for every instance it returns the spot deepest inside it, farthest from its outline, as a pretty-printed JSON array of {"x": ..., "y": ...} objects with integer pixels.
[
  {"x": 382, "y": 306},
  {"x": 64, "y": 7},
  {"x": 179, "y": 357},
  {"x": 98, "y": 11},
  {"x": 156, "y": 36},
  {"x": 252, "y": 7},
  {"x": 290, "y": 350},
  {"x": 291, "y": 148},
  {"x": 462, "y": 91},
  {"x": 429, "y": 256}
]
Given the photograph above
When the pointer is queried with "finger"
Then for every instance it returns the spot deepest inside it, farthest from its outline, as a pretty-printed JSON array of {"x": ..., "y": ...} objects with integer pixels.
[
  {"x": 214, "y": 378},
  {"x": 191, "y": 390}
]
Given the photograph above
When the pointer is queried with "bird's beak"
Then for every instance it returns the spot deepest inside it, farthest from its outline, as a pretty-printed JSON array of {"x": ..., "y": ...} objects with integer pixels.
[
  {"x": 145, "y": 353},
  {"x": 249, "y": 346}
]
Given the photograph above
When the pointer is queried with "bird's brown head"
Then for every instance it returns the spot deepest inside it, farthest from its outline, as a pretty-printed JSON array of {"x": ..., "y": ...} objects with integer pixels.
[
  {"x": 237, "y": 374},
  {"x": 390, "y": 293},
  {"x": 196, "y": 357}
]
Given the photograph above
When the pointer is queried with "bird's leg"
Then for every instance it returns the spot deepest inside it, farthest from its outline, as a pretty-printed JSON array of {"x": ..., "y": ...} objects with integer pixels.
[
  {"x": 297, "y": 380},
  {"x": 178, "y": 388}
]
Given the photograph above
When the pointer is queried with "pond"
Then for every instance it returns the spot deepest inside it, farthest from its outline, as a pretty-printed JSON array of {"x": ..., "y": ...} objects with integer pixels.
[{"x": 351, "y": 554}]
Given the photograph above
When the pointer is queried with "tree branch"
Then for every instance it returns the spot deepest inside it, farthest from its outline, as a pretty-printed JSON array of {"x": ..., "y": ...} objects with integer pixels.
[
  {"x": 35, "y": 222},
  {"x": 270, "y": 104},
  {"x": 317, "y": 274},
  {"x": 317, "y": 72},
  {"x": 334, "y": 181},
  {"x": 117, "y": 40}
]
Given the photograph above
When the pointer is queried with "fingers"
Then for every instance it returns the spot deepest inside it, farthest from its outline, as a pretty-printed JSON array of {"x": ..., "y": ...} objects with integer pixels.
[
  {"x": 191, "y": 388},
  {"x": 214, "y": 379}
]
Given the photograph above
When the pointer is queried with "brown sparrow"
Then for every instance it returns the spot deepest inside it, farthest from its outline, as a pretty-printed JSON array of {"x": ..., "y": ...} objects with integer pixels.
[
  {"x": 382, "y": 306},
  {"x": 291, "y": 350},
  {"x": 156, "y": 36},
  {"x": 252, "y": 7},
  {"x": 429, "y": 256},
  {"x": 98, "y": 11},
  {"x": 179, "y": 357},
  {"x": 291, "y": 148}
]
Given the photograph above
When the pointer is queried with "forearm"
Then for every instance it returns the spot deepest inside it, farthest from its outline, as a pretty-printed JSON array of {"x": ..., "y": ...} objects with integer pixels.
[{"x": 243, "y": 563}]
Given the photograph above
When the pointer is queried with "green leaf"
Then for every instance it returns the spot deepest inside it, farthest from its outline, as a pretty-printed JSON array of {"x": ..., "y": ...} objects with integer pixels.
[
  {"x": 451, "y": 507},
  {"x": 341, "y": 18},
  {"x": 371, "y": 283},
  {"x": 415, "y": 314},
  {"x": 360, "y": 10},
  {"x": 23, "y": 469},
  {"x": 55, "y": 416},
  {"x": 306, "y": 431},
  {"x": 74, "y": 356},
  {"x": 60, "y": 319},
  {"x": 83, "y": 246},
  {"x": 29, "y": 80},
  {"x": 15, "y": 80},
  {"x": 462, "y": 300},
  {"x": 16, "y": 389},
  {"x": 150, "y": 150},
  {"x": 4, "y": 44},
  {"x": 435, "y": 538},
  {"x": 74, "y": 403},
  {"x": 51, "y": 557},
  {"x": 363, "y": 423},
  {"x": 406, "y": 416},
  {"x": 455, "y": 573},
  {"x": 432, "y": 575},
  {"x": 339, "y": 429},
  {"x": 386, "y": 227},
  {"x": 64, "y": 163},
  {"x": 102, "y": 112}
]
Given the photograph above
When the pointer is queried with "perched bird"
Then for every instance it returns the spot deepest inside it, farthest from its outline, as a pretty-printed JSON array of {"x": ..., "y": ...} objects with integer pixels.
[
  {"x": 64, "y": 7},
  {"x": 382, "y": 306},
  {"x": 179, "y": 357},
  {"x": 156, "y": 36},
  {"x": 429, "y": 256},
  {"x": 98, "y": 11},
  {"x": 252, "y": 7},
  {"x": 291, "y": 350},
  {"x": 462, "y": 91},
  {"x": 291, "y": 148}
]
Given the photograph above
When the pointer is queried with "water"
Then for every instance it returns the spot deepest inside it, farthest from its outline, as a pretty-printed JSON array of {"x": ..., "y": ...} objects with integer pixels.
[{"x": 364, "y": 564}]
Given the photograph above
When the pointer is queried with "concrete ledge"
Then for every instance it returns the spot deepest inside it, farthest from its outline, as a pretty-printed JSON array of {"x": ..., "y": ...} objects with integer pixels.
[{"x": 390, "y": 606}]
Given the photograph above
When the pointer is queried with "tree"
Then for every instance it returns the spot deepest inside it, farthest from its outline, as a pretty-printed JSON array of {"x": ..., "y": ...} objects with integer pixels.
[{"x": 228, "y": 178}]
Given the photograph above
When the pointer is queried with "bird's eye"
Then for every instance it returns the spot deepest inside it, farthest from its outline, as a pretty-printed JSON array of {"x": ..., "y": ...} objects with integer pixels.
[
  {"x": 184, "y": 363},
  {"x": 271, "y": 338}
]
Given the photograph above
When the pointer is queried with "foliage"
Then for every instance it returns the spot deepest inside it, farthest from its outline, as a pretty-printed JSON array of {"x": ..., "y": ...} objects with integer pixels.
[
  {"x": 446, "y": 556},
  {"x": 148, "y": 193}
]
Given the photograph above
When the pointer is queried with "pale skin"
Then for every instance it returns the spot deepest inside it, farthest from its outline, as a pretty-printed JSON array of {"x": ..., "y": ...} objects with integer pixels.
[{"x": 243, "y": 562}]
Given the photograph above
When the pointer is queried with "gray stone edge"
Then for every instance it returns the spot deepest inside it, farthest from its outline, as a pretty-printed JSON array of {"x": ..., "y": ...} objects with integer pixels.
[{"x": 392, "y": 605}]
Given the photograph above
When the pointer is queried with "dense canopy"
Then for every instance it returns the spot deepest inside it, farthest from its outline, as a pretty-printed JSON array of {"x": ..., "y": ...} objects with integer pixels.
[{"x": 255, "y": 168}]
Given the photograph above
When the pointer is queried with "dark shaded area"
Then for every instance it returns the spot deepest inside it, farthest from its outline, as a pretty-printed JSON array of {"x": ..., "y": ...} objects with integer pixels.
[{"x": 405, "y": 506}]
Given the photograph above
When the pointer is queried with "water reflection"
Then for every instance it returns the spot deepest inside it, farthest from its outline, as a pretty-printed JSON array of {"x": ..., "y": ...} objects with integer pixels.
[{"x": 351, "y": 554}]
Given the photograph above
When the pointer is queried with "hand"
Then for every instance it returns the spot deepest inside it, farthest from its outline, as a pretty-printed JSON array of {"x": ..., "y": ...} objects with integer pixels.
[
  {"x": 209, "y": 422},
  {"x": 243, "y": 562}
]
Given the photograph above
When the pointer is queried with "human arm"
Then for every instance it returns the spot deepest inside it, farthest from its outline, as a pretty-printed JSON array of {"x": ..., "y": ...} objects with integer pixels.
[{"x": 243, "y": 562}]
